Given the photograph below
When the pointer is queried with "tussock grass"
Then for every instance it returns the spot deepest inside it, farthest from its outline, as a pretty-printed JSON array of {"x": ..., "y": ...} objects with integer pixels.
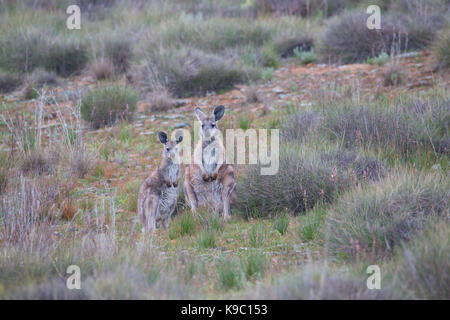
[
  {"x": 307, "y": 176},
  {"x": 105, "y": 105},
  {"x": 371, "y": 221},
  {"x": 182, "y": 225},
  {"x": 316, "y": 281},
  {"x": 441, "y": 49},
  {"x": 423, "y": 265},
  {"x": 407, "y": 127},
  {"x": 9, "y": 82}
]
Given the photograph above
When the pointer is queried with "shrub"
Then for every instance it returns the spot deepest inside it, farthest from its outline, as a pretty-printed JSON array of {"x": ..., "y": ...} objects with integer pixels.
[
  {"x": 281, "y": 223},
  {"x": 310, "y": 224},
  {"x": 254, "y": 264},
  {"x": 305, "y": 57},
  {"x": 252, "y": 95},
  {"x": 182, "y": 225},
  {"x": 207, "y": 239},
  {"x": 23, "y": 51},
  {"x": 102, "y": 69},
  {"x": 257, "y": 235},
  {"x": 317, "y": 281},
  {"x": 305, "y": 177},
  {"x": 374, "y": 219},
  {"x": 187, "y": 72},
  {"x": 348, "y": 40},
  {"x": 286, "y": 45},
  {"x": 38, "y": 79},
  {"x": 230, "y": 274},
  {"x": 108, "y": 104},
  {"x": 423, "y": 265},
  {"x": 67, "y": 57},
  {"x": 160, "y": 100},
  {"x": 392, "y": 75},
  {"x": 380, "y": 60},
  {"x": 35, "y": 162},
  {"x": 120, "y": 52},
  {"x": 407, "y": 127},
  {"x": 9, "y": 82},
  {"x": 423, "y": 19},
  {"x": 441, "y": 49}
]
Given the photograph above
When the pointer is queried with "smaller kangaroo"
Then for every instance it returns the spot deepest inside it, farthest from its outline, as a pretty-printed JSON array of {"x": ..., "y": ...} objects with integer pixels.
[
  {"x": 209, "y": 181},
  {"x": 158, "y": 193}
]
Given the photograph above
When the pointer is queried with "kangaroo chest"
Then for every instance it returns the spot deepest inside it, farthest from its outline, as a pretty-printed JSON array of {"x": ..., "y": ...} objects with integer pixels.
[
  {"x": 210, "y": 157},
  {"x": 209, "y": 194}
]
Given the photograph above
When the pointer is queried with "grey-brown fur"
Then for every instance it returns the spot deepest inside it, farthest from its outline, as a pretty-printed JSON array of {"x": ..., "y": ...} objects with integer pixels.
[
  {"x": 209, "y": 181},
  {"x": 158, "y": 193}
]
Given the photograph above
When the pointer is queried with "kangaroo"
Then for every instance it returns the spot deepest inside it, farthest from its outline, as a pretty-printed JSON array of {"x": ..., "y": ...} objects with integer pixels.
[
  {"x": 158, "y": 193},
  {"x": 209, "y": 182}
]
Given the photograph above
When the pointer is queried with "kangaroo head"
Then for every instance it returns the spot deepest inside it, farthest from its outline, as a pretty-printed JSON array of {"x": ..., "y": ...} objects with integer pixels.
[
  {"x": 171, "y": 148},
  {"x": 209, "y": 128}
]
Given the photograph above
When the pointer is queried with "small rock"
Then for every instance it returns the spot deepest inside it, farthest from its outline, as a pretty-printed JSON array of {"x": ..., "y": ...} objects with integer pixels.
[
  {"x": 181, "y": 125},
  {"x": 277, "y": 90}
]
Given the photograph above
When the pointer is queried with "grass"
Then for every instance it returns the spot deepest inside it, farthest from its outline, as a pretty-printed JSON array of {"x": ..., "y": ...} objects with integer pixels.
[
  {"x": 183, "y": 225},
  {"x": 108, "y": 104},
  {"x": 281, "y": 223},
  {"x": 371, "y": 221}
]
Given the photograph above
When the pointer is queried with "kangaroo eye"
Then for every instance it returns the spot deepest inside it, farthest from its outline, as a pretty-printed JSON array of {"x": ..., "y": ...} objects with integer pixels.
[
  {"x": 203, "y": 126},
  {"x": 213, "y": 125},
  {"x": 168, "y": 149}
]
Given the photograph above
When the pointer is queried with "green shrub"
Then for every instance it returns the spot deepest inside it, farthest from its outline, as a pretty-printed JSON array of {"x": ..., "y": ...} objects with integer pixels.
[
  {"x": 380, "y": 60},
  {"x": 306, "y": 176},
  {"x": 372, "y": 220},
  {"x": 187, "y": 72},
  {"x": 9, "y": 82},
  {"x": 257, "y": 235},
  {"x": 230, "y": 274},
  {"x": 254, "y": 264},
  {"x": 310, "y": 224},
  {"x": 406, "y": 127},
  {"x": 305, "y": 57},
  {"x": 281, "y": 223},
  {"x": 423, "y": 267},
  {"x": 441, "y": 49},
  {"x": 23, "y": 51},
  {"x": 182, "y": 225},
  {"x": 106, "y": 105},
  {"x": 207, "y": 239},
  {"x": 66, "y": 57}
]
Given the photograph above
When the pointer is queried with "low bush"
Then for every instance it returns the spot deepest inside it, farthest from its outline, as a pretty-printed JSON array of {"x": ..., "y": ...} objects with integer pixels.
[
  {"x": 108, "y": 104},
  {"x": 370, "y": 221},
  {"x": 348, "y": 40},
  {"x": 230, "y": 273},
  {"x": 441, "y": 49},
  {"x": 317, "y": 282},
  {"x": 306, "y": 176},
  {"x": 24, "y": 51},
  {"x": 254, "y": 264},
  {"x": 423, "y": 266},
  {"x": 281, "y": 223},
  {"x": 187, "y": 72},
  {"x": 407, "y": 127},
  {"x": 9, "y": 82}
]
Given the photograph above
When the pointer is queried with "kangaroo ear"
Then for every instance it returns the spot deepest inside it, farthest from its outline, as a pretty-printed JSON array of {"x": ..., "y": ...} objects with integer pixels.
[
  {"x": 162, "y": 137},
  {"x": 179, "y": 136},
  {"x": 218, "y": 112},
  {"x": 200, "y": 115}
]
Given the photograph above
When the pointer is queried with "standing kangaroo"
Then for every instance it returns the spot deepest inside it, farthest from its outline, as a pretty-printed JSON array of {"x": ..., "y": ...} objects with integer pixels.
[
  {"x": 209, "y": 182},
  {"x": 158, "y": 193}
]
